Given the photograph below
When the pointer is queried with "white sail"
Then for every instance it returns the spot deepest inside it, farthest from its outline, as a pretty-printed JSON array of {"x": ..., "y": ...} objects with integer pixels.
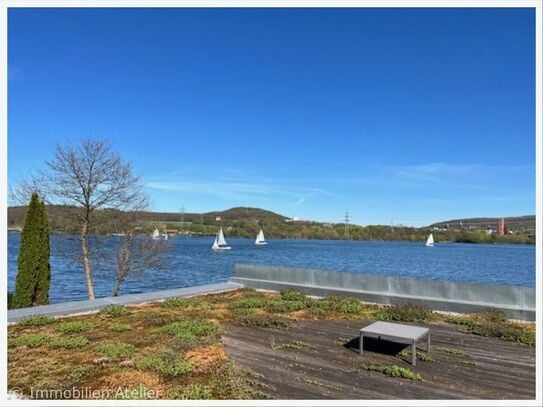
[
  {"x": 221, "y": 241},
  {"x": 430, "y": 241},
  {"x": 260, "y": 239},
  {"x": 165, "y": 236},
  {"x": 215, "y": 244},
  {"x": 156, "y": 234}
]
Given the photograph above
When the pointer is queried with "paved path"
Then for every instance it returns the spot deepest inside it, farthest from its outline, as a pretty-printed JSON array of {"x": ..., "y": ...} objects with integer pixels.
[{"x": 76, "y": 307}]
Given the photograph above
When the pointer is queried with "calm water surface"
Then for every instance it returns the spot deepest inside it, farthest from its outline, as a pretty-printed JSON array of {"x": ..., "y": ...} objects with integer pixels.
[{"x": 190, "y": 261}]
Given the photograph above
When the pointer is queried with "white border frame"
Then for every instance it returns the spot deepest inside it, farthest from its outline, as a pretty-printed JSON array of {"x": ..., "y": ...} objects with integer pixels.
[{"x": 5, "y": 4}]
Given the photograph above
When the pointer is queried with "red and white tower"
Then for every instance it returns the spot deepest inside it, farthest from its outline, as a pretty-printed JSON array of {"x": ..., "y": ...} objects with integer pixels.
[{"x": 501, "y": 227}]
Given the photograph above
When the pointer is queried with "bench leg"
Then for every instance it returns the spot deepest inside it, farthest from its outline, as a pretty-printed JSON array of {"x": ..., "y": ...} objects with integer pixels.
[
  {"x": 428, "y": 343},
  {"x": 414, "y": 354},
  {"x": 361, "y": 344}
]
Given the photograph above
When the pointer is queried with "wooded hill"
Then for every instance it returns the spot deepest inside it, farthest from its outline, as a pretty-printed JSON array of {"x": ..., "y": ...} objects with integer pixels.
[{"x": 246, "y": 222}]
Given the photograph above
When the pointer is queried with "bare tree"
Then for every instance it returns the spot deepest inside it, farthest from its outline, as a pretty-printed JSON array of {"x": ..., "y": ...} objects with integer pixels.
[
  {"x": 135, "y": 253},
  {"x": 88, "y": 176}
]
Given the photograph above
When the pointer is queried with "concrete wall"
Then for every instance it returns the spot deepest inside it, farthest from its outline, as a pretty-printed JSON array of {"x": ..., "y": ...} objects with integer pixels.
[{"x": 516, "y": 302}]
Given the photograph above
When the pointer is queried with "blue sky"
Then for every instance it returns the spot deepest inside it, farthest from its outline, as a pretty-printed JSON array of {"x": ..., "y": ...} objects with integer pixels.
[{"x": 404, "y": 115}]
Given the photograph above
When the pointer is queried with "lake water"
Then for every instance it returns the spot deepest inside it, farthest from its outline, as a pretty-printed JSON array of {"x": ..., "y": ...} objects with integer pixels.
[{"x": 190, "y": 261}]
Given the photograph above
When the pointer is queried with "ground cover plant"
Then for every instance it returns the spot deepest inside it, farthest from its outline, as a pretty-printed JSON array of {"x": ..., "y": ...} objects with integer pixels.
[{"x": 173, "y": 349}]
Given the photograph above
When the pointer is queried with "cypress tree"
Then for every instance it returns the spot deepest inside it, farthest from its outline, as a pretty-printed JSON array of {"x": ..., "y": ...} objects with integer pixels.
[
  {"x": 44, "y": 274},
  {"x": 33, "y": 273}
]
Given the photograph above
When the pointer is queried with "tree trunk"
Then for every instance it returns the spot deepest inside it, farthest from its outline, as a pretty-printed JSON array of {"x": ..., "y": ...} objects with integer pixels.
[
  {"x": 86, "y": 262},
  {"x": 117, "y": 287}
]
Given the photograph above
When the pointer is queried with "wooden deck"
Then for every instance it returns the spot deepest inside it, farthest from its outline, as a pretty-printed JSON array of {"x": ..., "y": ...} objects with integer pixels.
[{"x": 492, "y": 368}]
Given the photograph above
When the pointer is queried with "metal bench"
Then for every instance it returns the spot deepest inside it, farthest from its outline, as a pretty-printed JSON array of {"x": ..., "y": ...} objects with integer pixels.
[{"x": 397, "y": 333}]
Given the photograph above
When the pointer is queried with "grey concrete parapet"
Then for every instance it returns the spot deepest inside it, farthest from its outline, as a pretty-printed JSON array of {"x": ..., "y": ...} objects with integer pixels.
[
  {"x": 78, "y": 307},
  {"x": 516, "y": 302}
]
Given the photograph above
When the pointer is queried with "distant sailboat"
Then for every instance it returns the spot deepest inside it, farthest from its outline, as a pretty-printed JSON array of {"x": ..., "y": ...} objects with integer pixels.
[
  {"x": 430, "y": 241},
  {"x": 220, "y": 242},
  {"x": 156, "y": 234},
  {"x": 260, "y": 239},
  {"x": 165, "y": 236}
]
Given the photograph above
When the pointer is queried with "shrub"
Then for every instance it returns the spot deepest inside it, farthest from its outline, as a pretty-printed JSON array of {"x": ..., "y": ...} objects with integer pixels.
[
  {"x": 30, "y": 340},
  {"x": 116, "y": 350},
  {"x": 191, "y": 392},
  {"x": 74, "y": 326},
  {"x": 114, "y": 311},
  {"x": 36, "y": 320},
  {"x": 406, "y": 312},
  {"x": 74, "y": 342},
  {"x": 166, "y": 362},
  {"x": 344, "y": 305},
  {"x": 265, "y": 321},
  {"x": 289, "y": 295},
  {"x": 120, "y": 327},
  {"x": 396, "y": 371}
]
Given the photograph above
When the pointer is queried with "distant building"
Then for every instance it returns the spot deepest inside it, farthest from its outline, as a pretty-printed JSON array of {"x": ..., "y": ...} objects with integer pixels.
[{"x": 501, "y": 227}]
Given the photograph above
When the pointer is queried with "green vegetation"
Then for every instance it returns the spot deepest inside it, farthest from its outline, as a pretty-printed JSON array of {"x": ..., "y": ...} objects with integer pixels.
[
  {"x": 396, "y": 371},
  {"x": 265, "y": 321},
  {"x": 189, "y": 331},
  {"x": 71, "y": 327},
  {"x": 249, "y": 303},
  {"x": 37, "y": 320},
  {"x": 406, "y": 312},
  {"x": 74, "y": 342},
  {"x": 492, "y": 324},
  {"x": 136, "y": 393},
  {"x": 33, "y": 268},
  {"x": 116, "y": 350},
  {"x": 344, "y": 305},
  {"x": 289, "y": 345},
  {"x": 177, "y": 348},
  {"x": 289, "y": 295},
  {"x": 30, "y": 340},
  {"x": 422, "y": 356},
  {"x": 166, "y": 363},
  {"x": 114, "y": 311},
  {"x": 246, "y": 222},
  {"x": 317, "y": 383},
  {"x": 452, "y": 351},
  {"x": 186, "y": 303},
  {"x": 120, "y": 327},
  {"x": 194, "y": 391}
]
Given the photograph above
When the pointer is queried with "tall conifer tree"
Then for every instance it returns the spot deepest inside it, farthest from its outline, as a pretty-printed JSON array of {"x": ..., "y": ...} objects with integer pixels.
[{"x": 34, "y": 272}]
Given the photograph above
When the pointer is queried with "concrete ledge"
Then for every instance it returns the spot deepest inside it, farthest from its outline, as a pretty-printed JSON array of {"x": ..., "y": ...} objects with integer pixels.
[
  {"x": 515, "y": 302},
  {"x": 78, "y": 307}
]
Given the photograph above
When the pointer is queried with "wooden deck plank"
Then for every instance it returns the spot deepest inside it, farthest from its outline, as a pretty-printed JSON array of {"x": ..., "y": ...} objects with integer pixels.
[{"x": 328, "y": 369}]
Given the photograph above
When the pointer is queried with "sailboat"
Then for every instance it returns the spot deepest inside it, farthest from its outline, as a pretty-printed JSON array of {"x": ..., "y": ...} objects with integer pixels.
[
  {"x": 220, "y": 242},
  {"x": 260, "y": 239},
  {"x": 156, "y": 234},
  {"x": 430, "y": 241}
]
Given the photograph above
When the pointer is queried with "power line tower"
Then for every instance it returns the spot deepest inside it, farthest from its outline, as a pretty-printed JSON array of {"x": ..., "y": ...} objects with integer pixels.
[{"x": 346, "y": 224}]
